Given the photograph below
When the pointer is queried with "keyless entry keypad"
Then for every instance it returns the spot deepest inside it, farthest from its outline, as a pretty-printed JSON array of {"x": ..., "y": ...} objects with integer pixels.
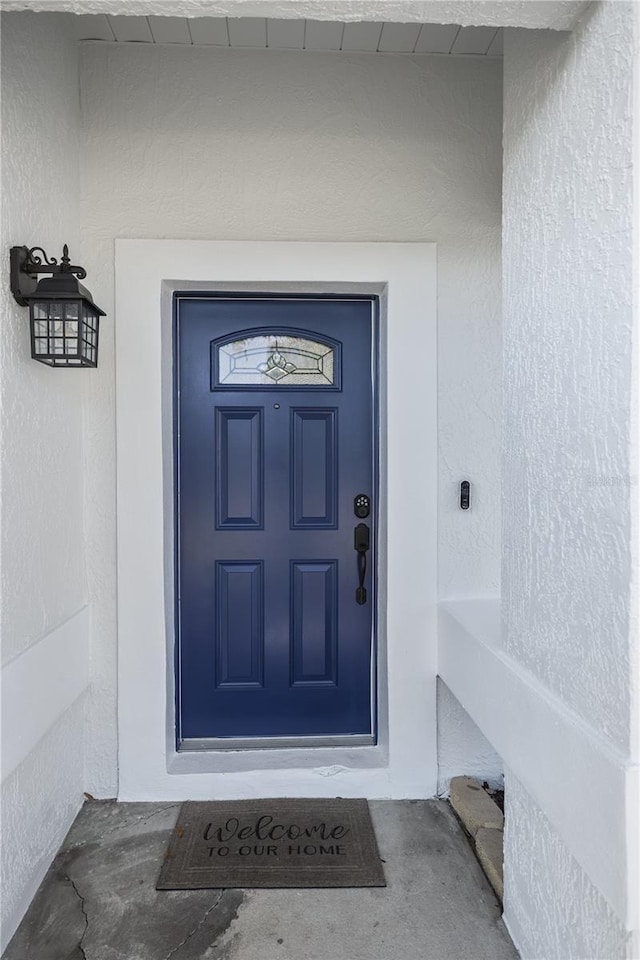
[{"x": 362, "y": 506}]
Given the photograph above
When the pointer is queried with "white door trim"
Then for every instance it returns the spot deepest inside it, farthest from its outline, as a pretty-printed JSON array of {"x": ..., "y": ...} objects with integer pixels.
[{"x": 403, "y": 763}]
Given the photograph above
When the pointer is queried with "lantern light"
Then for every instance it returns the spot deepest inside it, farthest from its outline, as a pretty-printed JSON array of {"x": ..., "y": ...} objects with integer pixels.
[{"x": 62, "y": 314}]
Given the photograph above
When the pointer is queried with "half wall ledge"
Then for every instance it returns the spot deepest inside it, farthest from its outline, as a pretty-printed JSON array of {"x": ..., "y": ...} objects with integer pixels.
[{"x": 580, "y": 779}]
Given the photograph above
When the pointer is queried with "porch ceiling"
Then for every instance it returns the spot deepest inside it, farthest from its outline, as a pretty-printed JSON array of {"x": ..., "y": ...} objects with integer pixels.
[
  {"x": 535, "y": 14},
  {"x": 266, "y": 33}
]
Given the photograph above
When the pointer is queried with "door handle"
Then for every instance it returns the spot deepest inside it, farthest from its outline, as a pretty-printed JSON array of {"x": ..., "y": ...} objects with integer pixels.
[{"x": 361, "y": 545}]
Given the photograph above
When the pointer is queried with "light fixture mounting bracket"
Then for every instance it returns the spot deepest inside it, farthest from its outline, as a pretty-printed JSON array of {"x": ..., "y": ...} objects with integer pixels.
[{"x": 28, "y": 262}]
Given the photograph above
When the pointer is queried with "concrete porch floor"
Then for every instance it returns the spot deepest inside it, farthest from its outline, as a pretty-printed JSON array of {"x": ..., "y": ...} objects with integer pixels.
[{"x": 98, "y": 900}]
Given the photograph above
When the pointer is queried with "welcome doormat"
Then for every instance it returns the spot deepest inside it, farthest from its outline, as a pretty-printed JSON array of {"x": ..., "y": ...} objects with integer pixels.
[{"x": 272, "y": 843}]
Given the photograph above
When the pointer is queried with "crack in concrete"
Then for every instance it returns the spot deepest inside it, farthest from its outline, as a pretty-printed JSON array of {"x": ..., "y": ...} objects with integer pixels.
[
  {"x": 196, "y": 928},
  {"x": 141, "y": 819},
  {"x": 123, "y": 826},
  {"x": 84, "y": 914}
]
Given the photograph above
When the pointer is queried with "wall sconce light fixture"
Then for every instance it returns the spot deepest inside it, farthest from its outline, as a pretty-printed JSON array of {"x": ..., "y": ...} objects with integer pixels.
[{"x": 62, "y": 315}]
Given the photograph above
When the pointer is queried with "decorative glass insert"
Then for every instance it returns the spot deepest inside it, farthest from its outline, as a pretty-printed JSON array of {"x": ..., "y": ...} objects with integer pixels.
[{"x": 270, "y": 359}]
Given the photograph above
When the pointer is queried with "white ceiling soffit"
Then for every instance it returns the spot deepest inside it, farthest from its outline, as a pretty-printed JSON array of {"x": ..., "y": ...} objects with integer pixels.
[
  {"x": 257, "y": 32},
  {"x": 535, "y": 14}
]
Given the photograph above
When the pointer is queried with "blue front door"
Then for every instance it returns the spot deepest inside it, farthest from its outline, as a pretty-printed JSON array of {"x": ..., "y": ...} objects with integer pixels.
[{"x": 275, "y": 438}]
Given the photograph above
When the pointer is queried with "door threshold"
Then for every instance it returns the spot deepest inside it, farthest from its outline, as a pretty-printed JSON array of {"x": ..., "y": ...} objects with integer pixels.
[{"x": 274, "y": 743}]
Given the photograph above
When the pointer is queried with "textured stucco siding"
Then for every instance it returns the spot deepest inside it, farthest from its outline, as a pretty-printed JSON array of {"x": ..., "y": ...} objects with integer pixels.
[
  {"x": 206, "y": 144},
  {"x": 43, "y": 579},
  {"x": 567, "y": 354},
  {"x": 39, "y": 803},
  {"x": 553, "y": 910},
  {"x": 568, "y": 474},
  {"x": 43, "y": 574}
]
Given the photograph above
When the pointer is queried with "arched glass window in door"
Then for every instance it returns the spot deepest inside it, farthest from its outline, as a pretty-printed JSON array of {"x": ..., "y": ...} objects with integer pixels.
[{"x": 276, "y": 359}]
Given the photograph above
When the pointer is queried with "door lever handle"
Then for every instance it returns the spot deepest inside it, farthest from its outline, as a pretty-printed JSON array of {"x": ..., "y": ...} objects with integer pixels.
[{"x": 361, "y": 545}]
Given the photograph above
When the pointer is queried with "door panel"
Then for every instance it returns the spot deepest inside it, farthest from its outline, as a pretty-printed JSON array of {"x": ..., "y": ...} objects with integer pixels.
[
  {"x": 239, "y": 622},
  {"x": 314, "y": 468},
  {"x": 314, "y": 625},
  {"x": 274, "y": 417},
  {"x": 239, "y": 468}
]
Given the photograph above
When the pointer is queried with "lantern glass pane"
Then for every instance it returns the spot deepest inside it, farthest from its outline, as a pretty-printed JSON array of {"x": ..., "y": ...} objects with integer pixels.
[{"x": 64, "y": 333}]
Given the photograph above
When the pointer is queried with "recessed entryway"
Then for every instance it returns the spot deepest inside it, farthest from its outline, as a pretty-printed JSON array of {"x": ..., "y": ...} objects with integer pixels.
[{"x": 393, "y": 683}]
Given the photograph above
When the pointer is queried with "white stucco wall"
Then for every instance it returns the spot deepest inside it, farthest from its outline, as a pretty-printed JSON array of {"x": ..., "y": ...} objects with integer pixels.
[
  {"x": 553, "y": 909},
  {"x": 568, "y": 456},
  {"x": 43, "y": 583},
  {"x": 463, "y": 750},
  {"x": 42, "y": 525},
  {"x": 217, "y": 144},
  {"x": 40, "y": 800}
]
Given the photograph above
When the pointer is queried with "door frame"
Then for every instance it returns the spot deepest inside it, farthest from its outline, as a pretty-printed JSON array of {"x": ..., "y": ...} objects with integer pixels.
[{"x": 403, "y": 276}]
